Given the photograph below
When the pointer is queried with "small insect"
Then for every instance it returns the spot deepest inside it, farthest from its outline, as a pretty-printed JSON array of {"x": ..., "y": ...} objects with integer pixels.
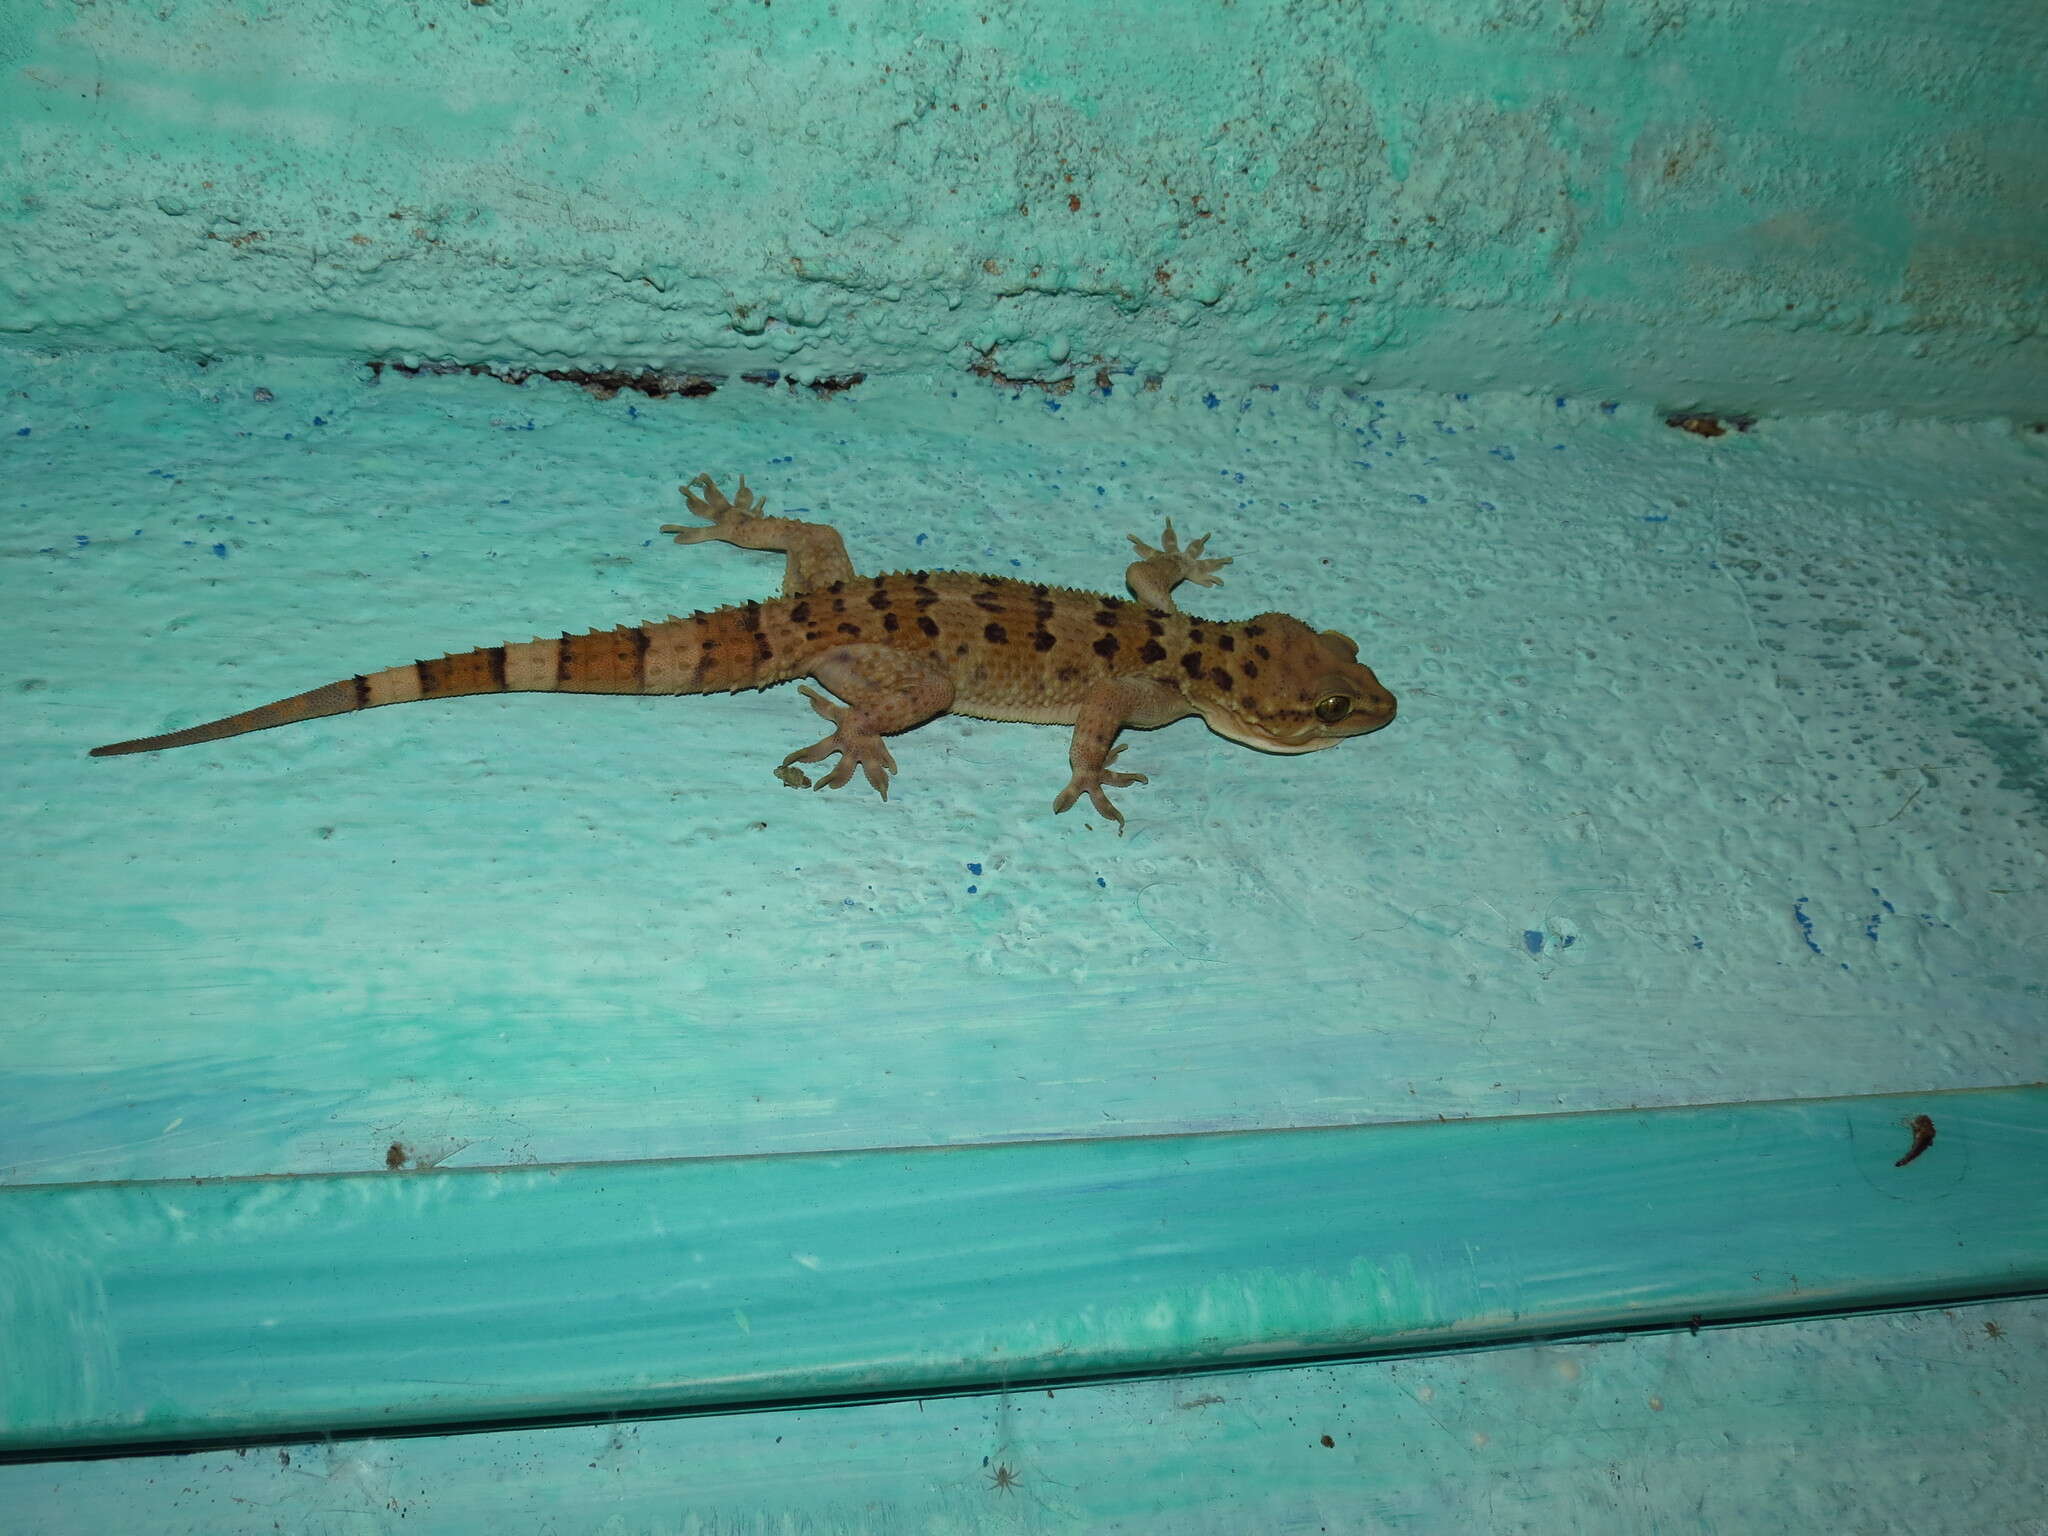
[{"x": 1922, "y": 1127}]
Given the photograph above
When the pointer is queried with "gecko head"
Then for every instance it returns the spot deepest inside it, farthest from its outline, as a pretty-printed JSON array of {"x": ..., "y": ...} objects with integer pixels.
[{"x": 1284, "y": 687}]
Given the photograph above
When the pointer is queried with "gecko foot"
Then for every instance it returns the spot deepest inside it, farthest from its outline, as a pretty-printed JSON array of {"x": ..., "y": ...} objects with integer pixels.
[
  {"x": 1175, "y": 564},
  {"x": 856, "y": 748},
  {"x": 1092, "y": 782},
  {"x": 724, "y": 516}
]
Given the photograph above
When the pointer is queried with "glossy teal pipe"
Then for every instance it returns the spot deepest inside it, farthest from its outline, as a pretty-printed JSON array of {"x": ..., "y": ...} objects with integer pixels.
[{"x": 167, "y": 1312}]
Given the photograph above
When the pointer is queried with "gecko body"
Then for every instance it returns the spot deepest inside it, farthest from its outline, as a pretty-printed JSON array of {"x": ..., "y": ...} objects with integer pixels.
[{"x": 900, "y": 649}]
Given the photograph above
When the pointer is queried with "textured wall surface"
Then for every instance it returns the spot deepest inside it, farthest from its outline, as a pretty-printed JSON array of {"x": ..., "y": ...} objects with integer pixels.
[
  {"x": 1720, "y": 774},
  {"x": 1929, "y": 1423},
  {"x": 1733, "y": 203}
]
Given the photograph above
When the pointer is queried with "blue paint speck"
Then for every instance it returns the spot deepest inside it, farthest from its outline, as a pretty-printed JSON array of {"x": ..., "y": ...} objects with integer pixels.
[
  {"x": 974, "y": 869},
  {"x": 220, "y": 551},
  {"x": 1102, "y": 882},
  {"x": 1420, "y": 498},
  {"x": 1656, "y": 517},
  {"x": 1805, "y": 924},
  {"x": 1507, "y": 454},
  {"x": 1558, "y": 402},
  {"x": 973, "y": 890},
  {"x": 1698, "y": 942},
  {"x": 1052, "y": 405},
  {"x": 1609, "y": 407},
  {"x": 922, "y": 537},
  {"x": 1532, "y": 940},
  {"x": 1211, "y": 401},
  {"x": 319, "y": 421},
  {"x": 23, "y": 431},
  {"x": 1461, "y": 398},
  {"x": 1487, "y": 506},
  {"x": 1568, "y": 941},
  {"x": 82, "y": 540}
]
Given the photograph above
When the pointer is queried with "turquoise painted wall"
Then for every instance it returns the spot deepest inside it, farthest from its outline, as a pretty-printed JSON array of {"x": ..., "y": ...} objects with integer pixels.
[
  {"x": 1722, "y": 770},
  {"x": 1733, "y": 203}
]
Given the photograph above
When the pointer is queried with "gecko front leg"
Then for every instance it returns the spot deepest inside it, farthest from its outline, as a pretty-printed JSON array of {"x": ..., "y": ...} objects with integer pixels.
[
  {"x": 817, "y": 555},
  {"x": 1153, "y": 578},
  {"x": 1108, "y": 707},
  {"x": 886, "y": 691}
]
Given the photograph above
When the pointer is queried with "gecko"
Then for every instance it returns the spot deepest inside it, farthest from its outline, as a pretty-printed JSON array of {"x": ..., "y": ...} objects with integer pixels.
[{"x": 897, "y": 650}]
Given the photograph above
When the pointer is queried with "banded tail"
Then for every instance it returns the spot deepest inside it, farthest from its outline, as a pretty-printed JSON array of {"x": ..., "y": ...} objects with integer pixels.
[{"x": 717, "y": 652}]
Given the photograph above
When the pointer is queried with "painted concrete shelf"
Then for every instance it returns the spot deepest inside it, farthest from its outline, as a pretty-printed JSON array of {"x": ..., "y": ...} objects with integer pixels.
[{"x": 153, "y": 1314}]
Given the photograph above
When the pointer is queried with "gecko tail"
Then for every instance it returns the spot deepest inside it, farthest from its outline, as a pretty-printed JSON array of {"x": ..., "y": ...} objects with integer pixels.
[
  {"x": 334, "y": 699},
  {"x": 680, "y": 656}
]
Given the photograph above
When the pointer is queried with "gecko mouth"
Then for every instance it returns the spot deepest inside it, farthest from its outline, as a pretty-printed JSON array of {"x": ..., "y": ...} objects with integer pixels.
[{"x": 1246, "y": 734}]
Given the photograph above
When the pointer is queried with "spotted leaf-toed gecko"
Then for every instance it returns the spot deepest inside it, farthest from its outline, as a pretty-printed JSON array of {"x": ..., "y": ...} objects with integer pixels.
[{"x": 901, "y": 649}]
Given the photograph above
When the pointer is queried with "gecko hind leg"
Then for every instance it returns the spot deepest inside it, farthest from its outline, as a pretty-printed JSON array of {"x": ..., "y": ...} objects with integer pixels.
[
  {"x": 817, "y": 555},
  {"x": 886, "y": 691}
]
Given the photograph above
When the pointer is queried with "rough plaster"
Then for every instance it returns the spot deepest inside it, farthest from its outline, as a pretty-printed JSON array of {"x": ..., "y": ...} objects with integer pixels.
[
  {"x": 1724, "y": 203},
  {"x": 1720, "y": 775},
  {"x": 1927, "y": 1422}
]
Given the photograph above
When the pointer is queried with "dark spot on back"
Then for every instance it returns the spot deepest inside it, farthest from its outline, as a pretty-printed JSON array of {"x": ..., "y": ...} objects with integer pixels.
[
  {"x": 1153, "y": 651},
  {"x": 1192, "y": 663},
  {"x": 1109, "y": 618},
  {"x": 1067, "y": 674},
  {"x": 1226, "y": 642},
  {"x": 1154, "y": 627},
  {"x": 891, "y": 623},
  {"x": 1195, "y": 635},
  {"x": 800, "y": 613},
  {"x": 1106, "y": 646},
  {"x": 1263, "y": 653},
  {"x": 850, "y": 629},
  {"x": 1039, "y": 590},
  {"x": 995, "y": 634},
  {"x": 1255, "y": 630},
  {"x": 1249, "y": 668},
  {"x": 928, "y": 624},
  {"x": 878, "y": 599},
  {"x": 750, "y": 615},
  {"x": 1220, "y": 678},
  {"x": 1042, "y": 640}
]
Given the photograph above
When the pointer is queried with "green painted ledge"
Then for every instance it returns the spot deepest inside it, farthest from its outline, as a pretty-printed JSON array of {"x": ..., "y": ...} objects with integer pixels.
[{"x": 147, "y": 1315}]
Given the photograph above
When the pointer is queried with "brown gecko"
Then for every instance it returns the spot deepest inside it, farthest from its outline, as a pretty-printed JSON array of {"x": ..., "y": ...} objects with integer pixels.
[{"x": 902, "y": 649}]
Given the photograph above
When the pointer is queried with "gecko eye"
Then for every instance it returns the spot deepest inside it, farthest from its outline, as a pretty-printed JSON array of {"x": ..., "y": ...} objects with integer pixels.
[{"x": 1333, "y": 707}]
